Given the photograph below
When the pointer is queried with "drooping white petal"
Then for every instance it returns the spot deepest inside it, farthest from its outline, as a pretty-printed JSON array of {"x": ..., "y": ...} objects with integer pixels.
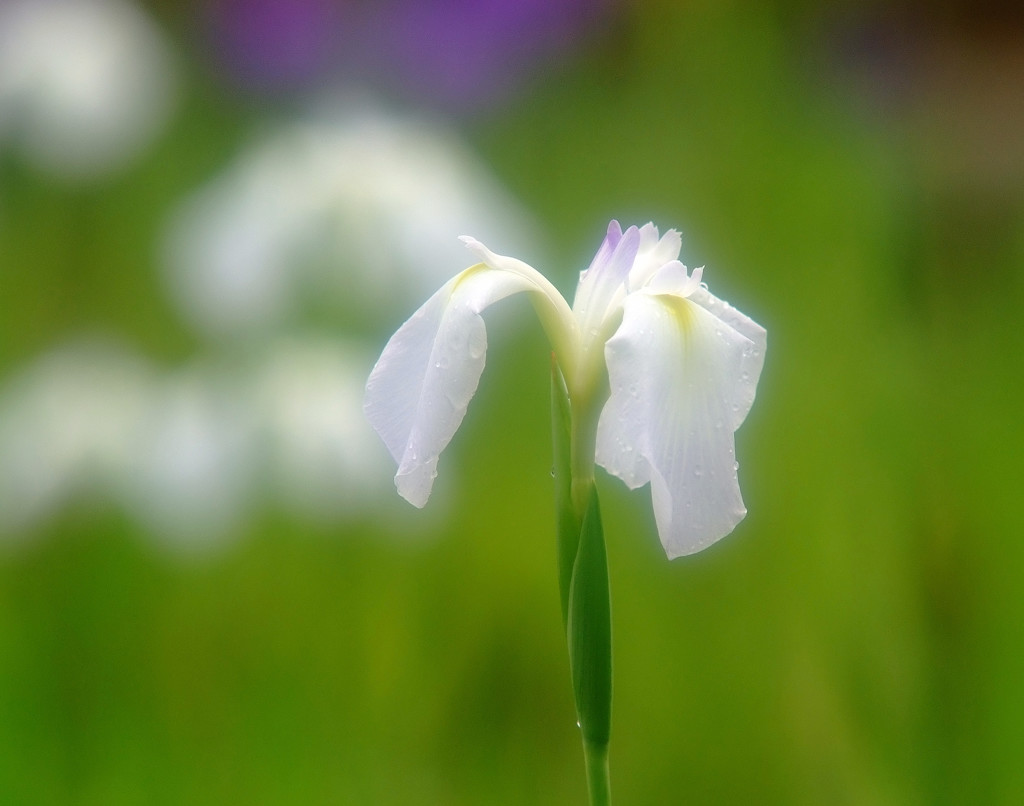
[
  {"x": 753, "y": 356},
  {"x": 418, "y": 392},
  {"x": 553, "y": 311},
  {"x": 514, "y": 265},
  {"x": 682, "y": 379}
]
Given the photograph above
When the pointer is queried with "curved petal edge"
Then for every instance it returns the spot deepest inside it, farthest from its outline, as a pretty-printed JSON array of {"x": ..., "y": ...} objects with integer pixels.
[{"x": 420, "y": 388}]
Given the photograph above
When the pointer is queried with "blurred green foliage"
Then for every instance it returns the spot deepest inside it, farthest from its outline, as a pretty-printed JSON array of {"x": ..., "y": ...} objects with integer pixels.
[{"x": 857, "y": 640}]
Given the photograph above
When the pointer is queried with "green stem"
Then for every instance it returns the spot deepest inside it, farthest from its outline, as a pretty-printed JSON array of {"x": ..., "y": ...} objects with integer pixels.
[
  {"x": 582, "y": 447},
  {"x": 597, "y": 774},
  {"x": 583, "y": 577}
]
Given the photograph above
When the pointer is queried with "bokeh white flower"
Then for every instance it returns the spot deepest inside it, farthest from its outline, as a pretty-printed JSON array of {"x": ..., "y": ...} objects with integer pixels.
[
  {"x": 295, "y": 222},
  {"x": 85, "y": 85},
  {"x": 69, "y": 424}
]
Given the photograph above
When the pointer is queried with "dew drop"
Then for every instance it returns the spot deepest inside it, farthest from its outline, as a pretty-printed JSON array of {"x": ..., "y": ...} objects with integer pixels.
[{"x": 477, "y": 345}]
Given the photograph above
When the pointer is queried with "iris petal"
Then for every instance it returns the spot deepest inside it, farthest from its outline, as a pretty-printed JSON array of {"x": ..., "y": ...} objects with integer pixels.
[
  {"x": 682, "y": 379},
  {"x": 654, "y": 252},
  {"x": 753, "y": 354},
  {"x": 605, "y": 281},
  {"x": 611, "y": 240},
  {"x": 417, "y": 394}
]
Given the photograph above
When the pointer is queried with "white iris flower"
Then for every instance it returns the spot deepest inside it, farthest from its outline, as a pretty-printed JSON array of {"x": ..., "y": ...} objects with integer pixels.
[{"x": 659, "y": 373}]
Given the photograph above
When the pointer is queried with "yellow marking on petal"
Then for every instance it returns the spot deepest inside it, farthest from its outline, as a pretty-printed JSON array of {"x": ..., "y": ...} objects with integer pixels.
[
  {"x": 465, "y": 274},
  {"x": 681, "y": 310}
]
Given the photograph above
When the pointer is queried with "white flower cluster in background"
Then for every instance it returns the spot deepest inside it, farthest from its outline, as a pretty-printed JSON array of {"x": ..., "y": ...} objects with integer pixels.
[
  {"x": 190, "y": 452},
  {"x": 350, "y": 212},
  {"x": 346, "y": 215}
]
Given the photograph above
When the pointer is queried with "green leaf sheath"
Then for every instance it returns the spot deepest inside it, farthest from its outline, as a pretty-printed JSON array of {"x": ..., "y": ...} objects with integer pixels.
[{"x": 590, "y": 630}]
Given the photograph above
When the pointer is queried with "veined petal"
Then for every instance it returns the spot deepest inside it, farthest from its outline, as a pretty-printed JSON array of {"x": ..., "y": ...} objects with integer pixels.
[
  {"x": 682, "y": 379},
  {"x": 417, "y": 394},
  {"x": 753, "y": 355}
]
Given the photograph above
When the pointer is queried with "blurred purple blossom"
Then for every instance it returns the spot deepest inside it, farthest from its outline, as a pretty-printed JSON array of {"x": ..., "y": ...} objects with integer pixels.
[
  {"x": 458, "y": 54},
  {"x": 275, "y": 44}
]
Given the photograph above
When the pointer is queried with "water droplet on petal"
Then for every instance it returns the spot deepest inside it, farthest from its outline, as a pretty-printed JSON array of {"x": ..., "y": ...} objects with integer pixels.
[{"x": 477, "y": 345}]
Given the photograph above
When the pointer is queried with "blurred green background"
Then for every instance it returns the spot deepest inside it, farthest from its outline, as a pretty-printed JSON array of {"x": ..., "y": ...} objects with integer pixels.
[{"x": 851, "y": 176}]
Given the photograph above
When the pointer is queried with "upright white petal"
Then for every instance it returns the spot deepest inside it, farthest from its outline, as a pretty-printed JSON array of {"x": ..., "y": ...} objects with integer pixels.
[
  {"x": 654, "y": 253},
  {"x": 682, "y": 374},
  {"x": 418, "y": 392},
  {"x": 603, "y": 284}
]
